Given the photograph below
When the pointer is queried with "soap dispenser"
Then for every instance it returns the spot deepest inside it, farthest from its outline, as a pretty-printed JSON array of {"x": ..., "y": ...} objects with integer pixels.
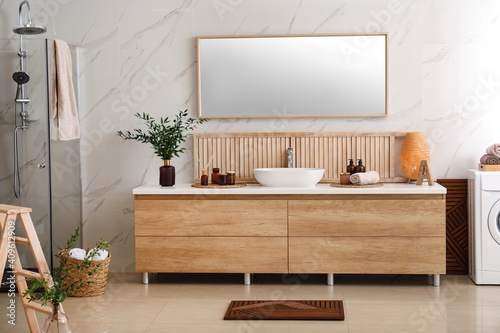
[
  {"x": 360, "y": 167},
  {"x": 351, "y": 168}
]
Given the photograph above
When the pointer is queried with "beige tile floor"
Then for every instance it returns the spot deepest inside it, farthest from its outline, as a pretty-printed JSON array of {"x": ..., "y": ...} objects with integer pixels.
[{"x": 197, "y": 302}]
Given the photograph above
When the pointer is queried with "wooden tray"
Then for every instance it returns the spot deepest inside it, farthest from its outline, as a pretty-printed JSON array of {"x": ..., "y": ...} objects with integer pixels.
[
  {"x": 357, "y": 186},
  {"x": 218, "y": 186},
  {"x": 486, "y": 167}
]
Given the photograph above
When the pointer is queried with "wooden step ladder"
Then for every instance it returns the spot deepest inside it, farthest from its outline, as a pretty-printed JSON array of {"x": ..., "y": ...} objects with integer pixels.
[{"x": 8, "y": 250}]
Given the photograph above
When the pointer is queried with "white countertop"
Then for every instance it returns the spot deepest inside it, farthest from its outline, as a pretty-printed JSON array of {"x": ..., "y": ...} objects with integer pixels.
[{"x": 388, "y": 188}]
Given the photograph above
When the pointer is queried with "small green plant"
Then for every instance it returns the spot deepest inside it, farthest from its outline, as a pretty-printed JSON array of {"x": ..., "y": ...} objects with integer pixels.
[
  {"x": 63, "y": 285},
  {"x": 165, "y": 137}
]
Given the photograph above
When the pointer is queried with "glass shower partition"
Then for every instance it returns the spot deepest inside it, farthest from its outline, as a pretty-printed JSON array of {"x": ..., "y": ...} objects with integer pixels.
[{"x": 49, "y": 169}]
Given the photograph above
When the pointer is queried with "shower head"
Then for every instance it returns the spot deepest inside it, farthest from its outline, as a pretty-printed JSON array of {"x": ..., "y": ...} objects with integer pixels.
[
  {"x": 21, "y": 77},
  {"x": 29, "y": 29},
  {"x": 26, "y": 28}
]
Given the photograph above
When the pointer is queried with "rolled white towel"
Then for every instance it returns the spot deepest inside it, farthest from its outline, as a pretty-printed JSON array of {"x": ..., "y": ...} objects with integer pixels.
[
  {"x": 365, "y": 178},
  {"x": 77, "y": 253},
  {"x": 494, "y": 150},
  {"x": 98, "y": 254}
]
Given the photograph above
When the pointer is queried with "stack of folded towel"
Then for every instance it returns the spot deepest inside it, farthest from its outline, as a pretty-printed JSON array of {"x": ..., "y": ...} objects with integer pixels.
[
  {"x": 365, "y": 178},
  {"x": 492, "y": 155},
  {"x": 93, "y": 254}
]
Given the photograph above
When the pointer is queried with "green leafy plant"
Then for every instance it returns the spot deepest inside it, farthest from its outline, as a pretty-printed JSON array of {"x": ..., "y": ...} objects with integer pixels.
[
  {"x": 62, "y": 285},
  {"x": 164, "y": 136}
]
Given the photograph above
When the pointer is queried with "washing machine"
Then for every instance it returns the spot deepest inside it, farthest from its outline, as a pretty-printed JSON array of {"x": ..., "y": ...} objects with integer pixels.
[{"x": 484, "y": 226}]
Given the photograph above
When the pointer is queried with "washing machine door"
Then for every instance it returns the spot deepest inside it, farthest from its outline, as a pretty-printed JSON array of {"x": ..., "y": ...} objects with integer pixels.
[{"x": 494, "y": 221}]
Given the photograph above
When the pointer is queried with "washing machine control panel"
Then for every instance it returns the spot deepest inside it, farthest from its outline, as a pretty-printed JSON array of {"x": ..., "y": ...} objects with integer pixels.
[{"x": 490, "y": 180}]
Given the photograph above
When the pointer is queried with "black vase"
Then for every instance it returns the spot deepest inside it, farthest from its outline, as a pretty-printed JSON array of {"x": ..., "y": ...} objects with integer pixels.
[{"x": 167, "y": 174}]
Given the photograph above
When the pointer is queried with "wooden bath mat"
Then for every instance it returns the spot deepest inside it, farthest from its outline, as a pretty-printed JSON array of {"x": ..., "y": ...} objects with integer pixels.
[
  {"x": 285, "y": 310},
  {"x": 357, "y": 186}
]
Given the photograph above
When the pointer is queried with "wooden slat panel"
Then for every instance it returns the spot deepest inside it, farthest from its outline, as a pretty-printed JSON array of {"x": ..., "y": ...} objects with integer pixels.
[
  {"x": 392, "y": 157},
  {"x": 198, "y": 157},
  {"x": 367, "y": 255},
  {"x": 330, "y": 151},
  {"x": 210, "y": 218},
  {"x": 387, "y": 156},
  {"x": 366, "y": 218},
  {"x": 219, "y": 153},
  {"x": 322, "y": 153},
  {"x": 223, "y": 153},
  {"x": 211, "y": 254},
  {"x": 457, "y": 226}
]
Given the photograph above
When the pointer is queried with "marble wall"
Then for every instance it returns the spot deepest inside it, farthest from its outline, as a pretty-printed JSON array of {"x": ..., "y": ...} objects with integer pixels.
[{"x": 139, "y": 56}]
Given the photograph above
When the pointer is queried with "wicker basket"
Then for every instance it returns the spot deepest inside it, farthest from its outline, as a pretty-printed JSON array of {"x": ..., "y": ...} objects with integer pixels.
[{"x": 97, "y": 281}]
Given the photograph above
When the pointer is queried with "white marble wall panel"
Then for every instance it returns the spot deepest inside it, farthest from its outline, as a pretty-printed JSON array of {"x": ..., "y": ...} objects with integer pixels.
[{"x": 140, "y": 56}]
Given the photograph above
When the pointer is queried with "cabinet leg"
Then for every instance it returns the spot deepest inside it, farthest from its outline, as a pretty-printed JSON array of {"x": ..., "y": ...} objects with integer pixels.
[
  {"x": 436, "y": 280},
  {"x": 145, "y": 278},
  {"x": 248, "y": 279},
  {"x": 330, "y": 279}
]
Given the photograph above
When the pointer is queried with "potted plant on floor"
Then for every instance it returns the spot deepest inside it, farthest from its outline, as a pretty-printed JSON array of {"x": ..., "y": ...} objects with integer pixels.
[
  {"x": 165, "y": 137},
  {"x": 63, "y": 285}
]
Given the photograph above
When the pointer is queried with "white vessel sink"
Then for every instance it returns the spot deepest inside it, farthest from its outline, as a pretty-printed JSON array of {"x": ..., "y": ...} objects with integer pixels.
[{"x": 288, "y": 177}]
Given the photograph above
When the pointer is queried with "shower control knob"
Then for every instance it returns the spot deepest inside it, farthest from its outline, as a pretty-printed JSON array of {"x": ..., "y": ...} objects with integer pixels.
[{"x": 41, "y": 166}]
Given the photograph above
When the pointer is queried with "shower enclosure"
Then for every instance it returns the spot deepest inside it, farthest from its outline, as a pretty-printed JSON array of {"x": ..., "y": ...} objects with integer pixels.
[{"x": 49, "y": 170}]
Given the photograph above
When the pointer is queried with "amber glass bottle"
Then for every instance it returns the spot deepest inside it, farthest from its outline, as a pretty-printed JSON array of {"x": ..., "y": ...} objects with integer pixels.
[
  {"x": 204, "y": 177},
  {"x": 351, "y": 168},
  {"x": 360, "y": 167},
  {"x": 215, "y": 176}
]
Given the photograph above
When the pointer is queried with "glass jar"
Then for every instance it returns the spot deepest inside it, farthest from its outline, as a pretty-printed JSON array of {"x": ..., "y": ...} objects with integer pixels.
[
  {"x": 223, "y": 179},
  {"x": 231, "y": 178},
  {"x": 345, "y": 178}
]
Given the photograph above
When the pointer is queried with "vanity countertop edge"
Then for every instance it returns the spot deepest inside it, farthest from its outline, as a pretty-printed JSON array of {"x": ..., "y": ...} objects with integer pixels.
[{"x": 253, "y": 189}]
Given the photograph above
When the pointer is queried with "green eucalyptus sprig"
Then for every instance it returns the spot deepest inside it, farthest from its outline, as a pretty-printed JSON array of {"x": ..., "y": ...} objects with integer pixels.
[{"x": 164, "y": 136}]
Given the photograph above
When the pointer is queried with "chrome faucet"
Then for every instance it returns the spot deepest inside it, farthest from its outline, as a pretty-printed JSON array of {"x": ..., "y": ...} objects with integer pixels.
[{"x": 290, "y": 157}]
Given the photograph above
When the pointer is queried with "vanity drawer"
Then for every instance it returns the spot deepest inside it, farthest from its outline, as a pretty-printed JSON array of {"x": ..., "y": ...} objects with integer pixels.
[
  {"x": 368, "y": 255},
  {"x": 211, "y": 254},
  {"x": 210, "y": 218},
  {"x": 366, "y": 217}
]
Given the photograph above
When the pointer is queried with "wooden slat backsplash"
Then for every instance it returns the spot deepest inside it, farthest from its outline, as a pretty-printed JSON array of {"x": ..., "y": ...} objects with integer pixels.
[{"x": 243, "y": 152}]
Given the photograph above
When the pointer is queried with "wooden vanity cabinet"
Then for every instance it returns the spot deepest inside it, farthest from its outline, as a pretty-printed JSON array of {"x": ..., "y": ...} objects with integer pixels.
[
  {"x": 387, "y": 235},
  {"x": 377, "y": 234},
  {"x": 196, "y": 235}
]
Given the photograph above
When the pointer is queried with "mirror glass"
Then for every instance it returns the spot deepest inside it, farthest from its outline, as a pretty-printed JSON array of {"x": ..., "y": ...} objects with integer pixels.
[{"x": 292, "y": 76}]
